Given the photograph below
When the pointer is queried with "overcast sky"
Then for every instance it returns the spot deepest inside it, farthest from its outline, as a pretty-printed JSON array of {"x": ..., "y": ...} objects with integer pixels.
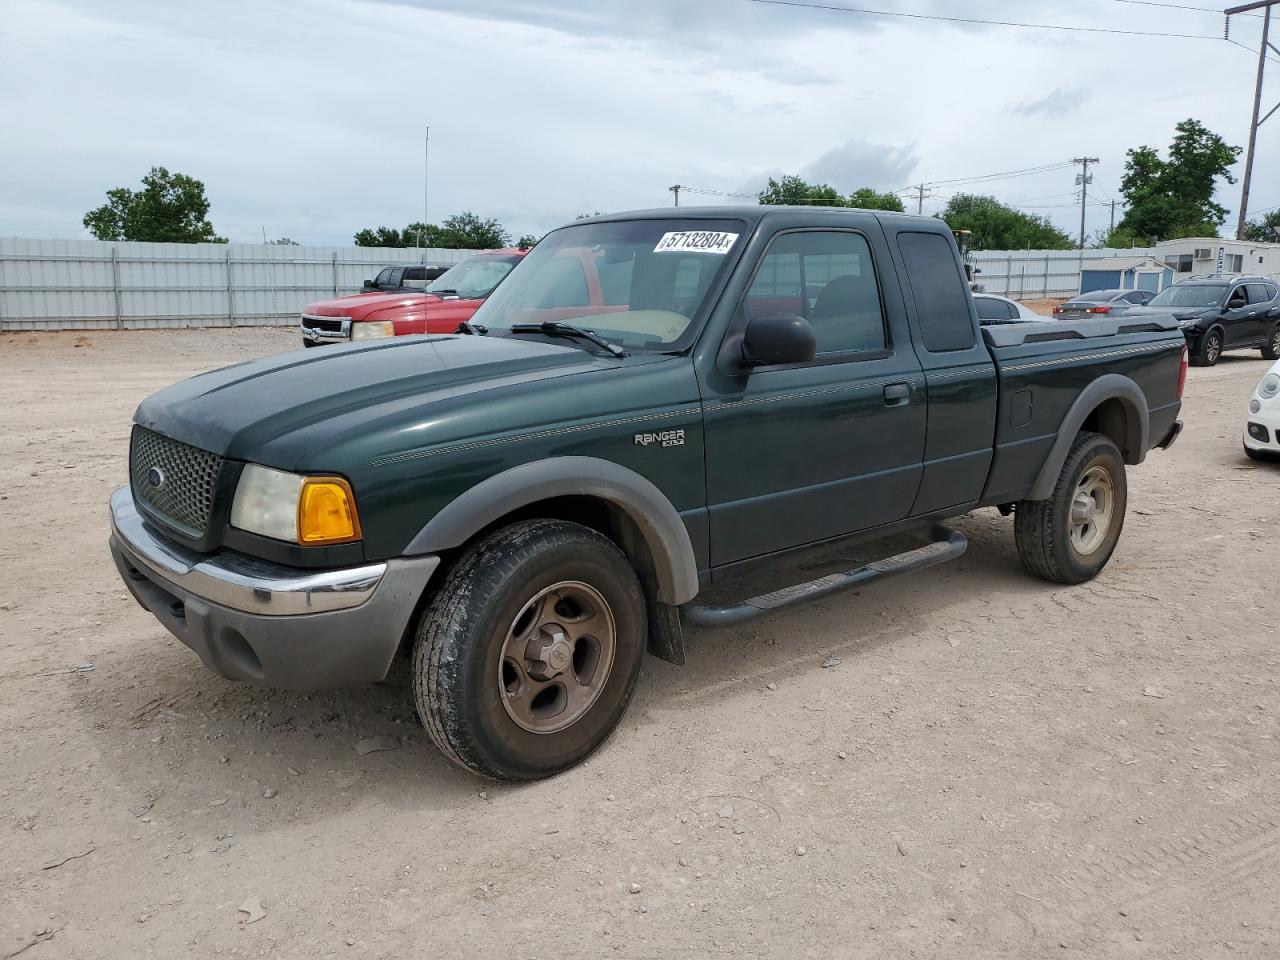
[{"x": 307, "y": 119}]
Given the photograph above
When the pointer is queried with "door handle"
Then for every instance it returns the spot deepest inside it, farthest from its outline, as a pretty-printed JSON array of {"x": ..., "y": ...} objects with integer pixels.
[{"x": 897, "y": 394}]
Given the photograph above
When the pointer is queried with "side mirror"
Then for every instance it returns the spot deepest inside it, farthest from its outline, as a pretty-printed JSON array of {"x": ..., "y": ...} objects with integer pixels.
[
  {"x": 371, "y": 284},
  {"x": 779, "y": 339}
]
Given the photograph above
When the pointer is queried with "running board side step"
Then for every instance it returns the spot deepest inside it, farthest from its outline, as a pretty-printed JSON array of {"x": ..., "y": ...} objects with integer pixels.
[{"x": 947, "y": 545}]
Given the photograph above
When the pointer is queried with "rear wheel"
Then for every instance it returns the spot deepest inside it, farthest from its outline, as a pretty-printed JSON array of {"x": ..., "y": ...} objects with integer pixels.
[
  {"x": 1210, "y": 351},
  {"x": 1069, "y": 537},
  {"x": 1272, "y": 350},
  {"x": 527, "y": 658}
]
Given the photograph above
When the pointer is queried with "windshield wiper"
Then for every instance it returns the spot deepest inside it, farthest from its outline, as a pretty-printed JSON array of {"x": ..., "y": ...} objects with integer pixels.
[
  {"x": 474, "y": 329},
  {"x": 554, "y": 328},
  {"x": 444, "y": 290}
]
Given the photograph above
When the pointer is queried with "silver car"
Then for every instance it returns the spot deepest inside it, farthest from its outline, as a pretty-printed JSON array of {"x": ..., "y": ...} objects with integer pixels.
[
  {"x": 994, "y": 309},
  {"x": 1101, "y": 303}
]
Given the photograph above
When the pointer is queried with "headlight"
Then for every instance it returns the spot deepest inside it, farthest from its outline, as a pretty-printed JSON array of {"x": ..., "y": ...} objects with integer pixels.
[
  {"x": 1189, "y": 323},
  {"x": 312, "y": 511},
  {"x": 370, "y": 331},
  {"x": 1269, "y": 387}
]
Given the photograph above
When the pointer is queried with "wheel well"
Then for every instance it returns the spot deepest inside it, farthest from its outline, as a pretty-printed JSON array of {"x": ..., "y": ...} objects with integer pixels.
[
  {"x": 1118, "y": 421},
  {"x": 600, "y": 515}
]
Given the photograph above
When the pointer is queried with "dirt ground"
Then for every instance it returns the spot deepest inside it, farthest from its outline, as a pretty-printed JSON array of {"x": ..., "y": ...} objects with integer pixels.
[{"x": 970, "y": 764}]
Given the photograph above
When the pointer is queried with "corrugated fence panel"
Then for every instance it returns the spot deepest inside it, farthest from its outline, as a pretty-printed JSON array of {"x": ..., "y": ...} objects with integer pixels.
[
  {"x": 92, "y": 284},
  {"x": 1035, "y": 274}
]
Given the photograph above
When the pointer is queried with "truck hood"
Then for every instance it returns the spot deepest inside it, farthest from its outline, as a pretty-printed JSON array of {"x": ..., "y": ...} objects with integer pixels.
[
  {"x": 276, "y": 410},
  {"x": 361, "y": 305}
]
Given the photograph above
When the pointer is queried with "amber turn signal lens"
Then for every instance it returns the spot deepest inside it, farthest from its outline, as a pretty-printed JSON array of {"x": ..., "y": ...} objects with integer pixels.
[{"x": 327, "y": 512}]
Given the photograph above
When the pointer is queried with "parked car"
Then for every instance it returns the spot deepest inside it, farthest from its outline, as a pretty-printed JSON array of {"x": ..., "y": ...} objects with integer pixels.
[
  {"x": 1262, "y": 428},
  {"x": 1101, "y": 303},
  {"x": 445, "y": 303},
  {"x": 531, "y": 508},
  {"x": 403, "y": 277},
  {"x": 994, "y": 309},
  {"x": 1221, "y": 313}
]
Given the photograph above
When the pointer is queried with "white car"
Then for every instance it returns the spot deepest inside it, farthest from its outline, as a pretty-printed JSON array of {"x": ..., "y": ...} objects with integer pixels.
[
  {"x": 1261, "y": 439},
  {"x": 994, "y": 309}
]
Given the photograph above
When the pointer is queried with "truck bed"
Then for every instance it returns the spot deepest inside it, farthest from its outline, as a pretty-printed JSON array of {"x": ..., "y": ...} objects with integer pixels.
[{"x": 1045, "y": 368}]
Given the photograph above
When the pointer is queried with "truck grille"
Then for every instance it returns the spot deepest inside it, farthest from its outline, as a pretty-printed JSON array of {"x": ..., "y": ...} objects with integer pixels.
[
  {"x": 176, "y": 480},
  {"x": 324, "y": 323}
]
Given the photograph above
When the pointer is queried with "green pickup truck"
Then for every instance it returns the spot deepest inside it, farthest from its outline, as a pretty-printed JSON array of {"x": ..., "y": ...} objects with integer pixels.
[{"x": 661, "y": 420}]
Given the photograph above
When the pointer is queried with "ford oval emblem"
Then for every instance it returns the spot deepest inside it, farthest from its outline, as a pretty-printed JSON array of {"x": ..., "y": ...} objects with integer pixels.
[{"x": 155, "y": 477}]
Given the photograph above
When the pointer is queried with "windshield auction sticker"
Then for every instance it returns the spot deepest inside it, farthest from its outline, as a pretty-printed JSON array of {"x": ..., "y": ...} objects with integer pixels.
[{"x": 696, "y": 241}]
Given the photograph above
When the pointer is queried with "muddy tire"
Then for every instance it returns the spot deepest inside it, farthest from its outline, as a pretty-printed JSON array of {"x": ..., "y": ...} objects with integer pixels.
[
  {"x": 1069, "y": 537},
  {"x": 1210, "y": 351},
  {"x": 527, "y": 657}
]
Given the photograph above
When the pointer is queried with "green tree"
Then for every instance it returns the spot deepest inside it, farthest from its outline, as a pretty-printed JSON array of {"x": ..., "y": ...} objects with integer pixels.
[
  {"x": 468, "y": 231},
  {"x": 1263, "y": 229},
  {"x": 170, "y": 208},
  {"x": 868, "y": 199},
  {"x": 380, "y": 237},
  {"x": 1173, "y": 198},
  {"x": 996, "y": 226},
  {"x": 283, "y": 242},
  {"x": 795, "y": 190},
  {"x": 527, "y": 241},
  {"x": 462, "y": 231}
]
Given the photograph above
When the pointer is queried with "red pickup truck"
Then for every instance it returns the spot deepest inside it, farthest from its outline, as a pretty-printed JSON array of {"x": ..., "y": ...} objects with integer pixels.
[{"x": 446, "y": 302}]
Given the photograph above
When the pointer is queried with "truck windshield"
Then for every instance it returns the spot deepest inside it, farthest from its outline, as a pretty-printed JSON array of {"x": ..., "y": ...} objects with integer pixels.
[
  {"x": 638, "y": 283},
  {"x": 1200, "y": 295},
  {"x": 474, "y": 277}
]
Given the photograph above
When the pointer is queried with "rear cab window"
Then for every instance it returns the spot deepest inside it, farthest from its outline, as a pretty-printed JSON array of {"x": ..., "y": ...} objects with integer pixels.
[{"x": 941, "y": 297}]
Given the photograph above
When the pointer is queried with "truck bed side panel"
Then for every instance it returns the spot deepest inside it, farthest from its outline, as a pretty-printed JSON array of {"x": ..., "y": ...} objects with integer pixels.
[{"x": 1040, "y": 381}]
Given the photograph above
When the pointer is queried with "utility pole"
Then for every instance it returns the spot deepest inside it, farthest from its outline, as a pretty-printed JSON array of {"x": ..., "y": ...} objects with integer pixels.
[
  {"x": 1082, "y": 181},
  {"x": 1247, "y": 179},
  {"x": 1113, "y": 216},
  {"x": 676, "y": 190},
  {"x": 920, "y": 201}
]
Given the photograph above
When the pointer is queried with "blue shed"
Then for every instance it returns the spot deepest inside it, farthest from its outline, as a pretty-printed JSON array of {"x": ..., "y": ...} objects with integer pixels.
[{"x": 1124, "y": 273}]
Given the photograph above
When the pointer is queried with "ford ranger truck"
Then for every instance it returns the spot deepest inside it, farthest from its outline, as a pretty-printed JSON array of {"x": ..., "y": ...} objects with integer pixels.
[
  {"x": 739, "y": 401},
  {"x": 444, "y": 304}
]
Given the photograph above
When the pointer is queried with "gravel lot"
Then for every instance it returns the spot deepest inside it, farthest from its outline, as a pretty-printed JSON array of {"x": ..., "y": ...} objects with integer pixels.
[{"x": 968, "y": 764}]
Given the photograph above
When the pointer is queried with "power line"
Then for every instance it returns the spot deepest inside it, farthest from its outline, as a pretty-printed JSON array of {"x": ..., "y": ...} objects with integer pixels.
[
  {"x": 1181, "y": 6},
  {"x": 813, "y": 5}
]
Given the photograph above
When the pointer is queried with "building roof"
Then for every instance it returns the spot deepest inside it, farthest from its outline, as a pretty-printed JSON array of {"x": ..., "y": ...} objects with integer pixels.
[{"x": 1121, "y": 263}]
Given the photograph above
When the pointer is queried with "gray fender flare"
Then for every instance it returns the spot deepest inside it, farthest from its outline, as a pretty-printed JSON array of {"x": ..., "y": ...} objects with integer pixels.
[
  {"x": 1111, "y": 386},
  {"x": 664, "y": 533}
]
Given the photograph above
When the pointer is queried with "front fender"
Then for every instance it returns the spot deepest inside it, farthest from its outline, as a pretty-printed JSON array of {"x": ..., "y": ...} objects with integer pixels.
[{"x": 675, "y": 565}]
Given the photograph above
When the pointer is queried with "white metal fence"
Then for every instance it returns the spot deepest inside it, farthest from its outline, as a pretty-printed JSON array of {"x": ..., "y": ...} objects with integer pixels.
[
  {"x": 1031, "y": 274},
  {"x": 92, "y": 284}
]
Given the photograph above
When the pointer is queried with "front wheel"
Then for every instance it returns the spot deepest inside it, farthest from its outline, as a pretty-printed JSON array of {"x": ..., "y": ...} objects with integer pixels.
[
  {"x": 1210, "y": 351},
  {"x": 1070, "y": 537},
  {"x": 527, "y": 657}
]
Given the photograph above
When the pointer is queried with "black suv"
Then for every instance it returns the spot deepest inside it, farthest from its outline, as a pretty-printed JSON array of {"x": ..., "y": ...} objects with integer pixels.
[{"x": 1222, "y": 313}]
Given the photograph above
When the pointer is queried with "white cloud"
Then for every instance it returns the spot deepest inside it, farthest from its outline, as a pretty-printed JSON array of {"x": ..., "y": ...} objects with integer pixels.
[{"x": 307, "y": 118}]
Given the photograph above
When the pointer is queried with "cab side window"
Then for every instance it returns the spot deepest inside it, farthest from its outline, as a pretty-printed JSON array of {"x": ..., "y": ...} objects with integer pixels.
[{"x": 827, "y": 277}]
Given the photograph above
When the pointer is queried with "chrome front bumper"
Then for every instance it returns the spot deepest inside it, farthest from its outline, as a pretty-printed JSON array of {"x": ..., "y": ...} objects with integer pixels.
[
  {"x": 237, "y": 581},
  {"x": 311, "y": 332},
  {"x": 252, "y": 620}
]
